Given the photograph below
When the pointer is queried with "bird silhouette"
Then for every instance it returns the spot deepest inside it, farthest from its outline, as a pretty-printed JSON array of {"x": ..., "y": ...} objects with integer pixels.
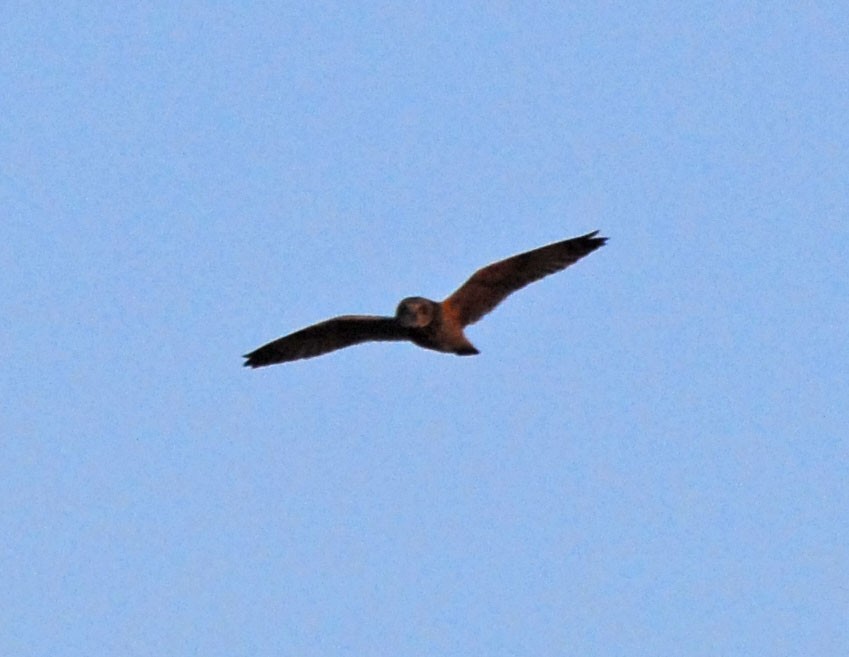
[{"x": 431, "y": 324}]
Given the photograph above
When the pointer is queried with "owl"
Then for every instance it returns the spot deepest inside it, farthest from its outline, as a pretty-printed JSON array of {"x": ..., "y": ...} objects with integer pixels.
[{"x": 436, "y": 325}]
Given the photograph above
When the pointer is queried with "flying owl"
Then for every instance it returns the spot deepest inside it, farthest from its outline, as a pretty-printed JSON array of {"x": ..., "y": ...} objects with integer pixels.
[{"x": 431, "y": 324}]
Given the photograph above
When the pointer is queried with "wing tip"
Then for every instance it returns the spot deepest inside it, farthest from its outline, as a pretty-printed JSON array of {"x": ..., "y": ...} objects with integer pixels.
[
  {"x": 252, "y": 361},
  {"x": 593, "y": 241}
]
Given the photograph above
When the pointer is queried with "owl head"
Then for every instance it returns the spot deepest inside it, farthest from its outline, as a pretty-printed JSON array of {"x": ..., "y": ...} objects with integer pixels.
[{"x": 415, "y": 312}]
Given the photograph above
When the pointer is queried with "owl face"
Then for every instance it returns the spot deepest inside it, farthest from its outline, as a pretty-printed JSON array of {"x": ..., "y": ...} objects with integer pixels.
[{"x": 415, "y": 312}]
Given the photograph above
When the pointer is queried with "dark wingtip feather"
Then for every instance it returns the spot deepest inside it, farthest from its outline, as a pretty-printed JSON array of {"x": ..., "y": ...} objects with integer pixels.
[
  {"x": 594, "y": 241},
  {"x": 253, "y": 361}
]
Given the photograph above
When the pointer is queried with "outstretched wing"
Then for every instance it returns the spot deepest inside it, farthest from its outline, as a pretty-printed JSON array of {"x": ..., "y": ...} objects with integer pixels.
[
  {"x": 336, "y": 333},
  {"x": 491, "y": 285}
]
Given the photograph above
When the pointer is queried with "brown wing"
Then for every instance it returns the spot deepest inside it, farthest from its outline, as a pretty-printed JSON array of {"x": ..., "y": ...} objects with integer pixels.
[
  {"x": 491, "y": 285},
  {"x": 326, "y": 336}
]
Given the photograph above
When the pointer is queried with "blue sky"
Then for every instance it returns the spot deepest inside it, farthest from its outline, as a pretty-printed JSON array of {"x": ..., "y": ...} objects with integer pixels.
[{"x": 649, "y": 457}]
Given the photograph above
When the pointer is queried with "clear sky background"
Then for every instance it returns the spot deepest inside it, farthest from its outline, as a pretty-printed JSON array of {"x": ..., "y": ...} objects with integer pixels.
[{"x": 650, "y": 455}]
